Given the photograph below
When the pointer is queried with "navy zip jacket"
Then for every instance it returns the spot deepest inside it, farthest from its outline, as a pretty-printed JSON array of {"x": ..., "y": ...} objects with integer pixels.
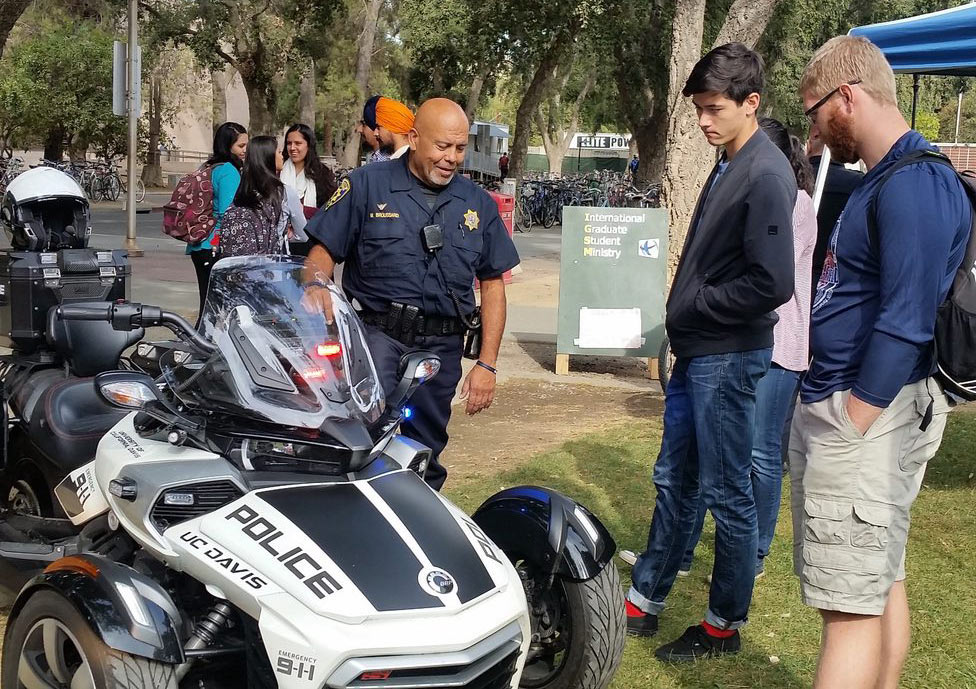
[
  {"x": 737, "y": 263},
  {"x": 874, "y": 312}
]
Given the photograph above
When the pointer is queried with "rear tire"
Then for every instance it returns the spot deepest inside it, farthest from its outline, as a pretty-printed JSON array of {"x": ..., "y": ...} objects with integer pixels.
[
  {"x": 548, "y": 216},
  {"x": 596, "y": 624},
  {"x": 523, "y": 216},
  {"x": 23, "y": 489},
  {"x": 113, "y": 187},
  {"x": 49, "y": 643}
]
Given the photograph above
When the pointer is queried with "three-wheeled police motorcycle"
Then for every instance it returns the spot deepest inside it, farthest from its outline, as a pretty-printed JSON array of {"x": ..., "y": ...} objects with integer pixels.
[{"x": 235, "y": 506}]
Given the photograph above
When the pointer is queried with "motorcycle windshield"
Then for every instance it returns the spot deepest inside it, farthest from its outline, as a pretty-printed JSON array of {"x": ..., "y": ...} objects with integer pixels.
[{"x": 278, "y": 359}]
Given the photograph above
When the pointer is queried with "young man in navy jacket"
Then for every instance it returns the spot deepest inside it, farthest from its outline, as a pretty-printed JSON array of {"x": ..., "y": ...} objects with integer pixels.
[
  {"x": 871, "y": 414},
  {"x": 736, "y": 268}
]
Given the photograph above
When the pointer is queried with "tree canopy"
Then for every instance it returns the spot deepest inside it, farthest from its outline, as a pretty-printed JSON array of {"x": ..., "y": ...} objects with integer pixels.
[{"x": 544, "y": 67}]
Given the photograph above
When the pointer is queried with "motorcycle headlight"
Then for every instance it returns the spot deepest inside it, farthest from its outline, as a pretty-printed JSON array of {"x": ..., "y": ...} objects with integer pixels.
[
  {"x": 287, "y": 455},
  {"x": 180, "y": 503}
]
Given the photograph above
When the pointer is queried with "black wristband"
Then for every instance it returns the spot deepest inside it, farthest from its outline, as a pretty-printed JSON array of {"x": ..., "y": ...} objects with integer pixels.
[{"x": 482, "y": 364}]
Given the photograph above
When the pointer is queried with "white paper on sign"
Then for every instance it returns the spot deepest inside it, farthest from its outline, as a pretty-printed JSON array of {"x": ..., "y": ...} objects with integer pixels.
[{"x": 609, "y": 329}]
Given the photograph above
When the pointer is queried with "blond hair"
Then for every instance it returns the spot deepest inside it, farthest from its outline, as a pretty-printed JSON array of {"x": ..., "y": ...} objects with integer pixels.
[{"x": 843, "y": 59}]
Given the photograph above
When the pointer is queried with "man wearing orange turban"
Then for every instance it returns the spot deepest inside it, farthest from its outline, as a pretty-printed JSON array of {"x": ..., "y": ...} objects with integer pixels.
[{"x": 393, "y": 121}]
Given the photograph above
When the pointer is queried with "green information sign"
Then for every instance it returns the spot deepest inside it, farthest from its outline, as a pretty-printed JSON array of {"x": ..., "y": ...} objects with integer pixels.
[{"x": 612, "y": 281}]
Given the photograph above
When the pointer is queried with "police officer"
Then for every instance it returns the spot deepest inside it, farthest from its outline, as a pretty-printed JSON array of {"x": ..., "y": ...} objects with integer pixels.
[{"x": 414, "y": 234}]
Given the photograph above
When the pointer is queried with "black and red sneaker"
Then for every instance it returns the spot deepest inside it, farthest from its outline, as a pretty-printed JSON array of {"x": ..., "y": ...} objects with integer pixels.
[
  {"x": 697, "y": 643},
  {"x": 640, "y": 623}
]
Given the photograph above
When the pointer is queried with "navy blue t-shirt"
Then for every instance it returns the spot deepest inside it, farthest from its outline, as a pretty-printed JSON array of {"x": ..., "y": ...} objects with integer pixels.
[{"x": 874, "y": 312}]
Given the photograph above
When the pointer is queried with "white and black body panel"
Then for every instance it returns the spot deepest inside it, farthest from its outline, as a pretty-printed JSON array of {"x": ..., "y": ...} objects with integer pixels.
[
  {"x": 341, "y": 571},
  {"x": 338, "y": 571},
  {"x": 81, "y": 498}
]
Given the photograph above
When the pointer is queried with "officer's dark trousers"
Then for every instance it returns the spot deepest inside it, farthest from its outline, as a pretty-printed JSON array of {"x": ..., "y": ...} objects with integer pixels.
[{"x": 431, "y": 403}]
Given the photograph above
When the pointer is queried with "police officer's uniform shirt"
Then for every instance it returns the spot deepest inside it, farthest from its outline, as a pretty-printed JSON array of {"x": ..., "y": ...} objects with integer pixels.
[{"x": 373, "y": 224}]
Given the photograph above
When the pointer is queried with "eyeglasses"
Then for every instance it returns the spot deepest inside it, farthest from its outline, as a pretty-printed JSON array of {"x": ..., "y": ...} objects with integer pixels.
[{"x": 812, "y": 112}]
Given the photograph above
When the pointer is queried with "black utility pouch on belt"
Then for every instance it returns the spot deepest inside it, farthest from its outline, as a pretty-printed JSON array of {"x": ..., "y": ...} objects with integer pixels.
[
  {"x": 432, "y": 237},
  {"x": 472, "y": 338}
]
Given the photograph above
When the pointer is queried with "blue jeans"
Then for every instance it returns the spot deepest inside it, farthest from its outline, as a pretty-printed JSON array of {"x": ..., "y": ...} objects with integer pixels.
[
  {"x": 706, "y": 453},
  {"x": 775, "y": 395}
]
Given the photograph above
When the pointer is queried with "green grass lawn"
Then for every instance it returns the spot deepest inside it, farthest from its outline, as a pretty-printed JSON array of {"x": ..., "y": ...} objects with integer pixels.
[{"x": 610, "y": 473}]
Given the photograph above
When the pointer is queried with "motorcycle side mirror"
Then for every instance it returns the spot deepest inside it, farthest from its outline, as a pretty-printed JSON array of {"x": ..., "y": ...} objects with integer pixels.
[
  {"x": 416, "y": 368},
  {"x": 126, "y": 389}
]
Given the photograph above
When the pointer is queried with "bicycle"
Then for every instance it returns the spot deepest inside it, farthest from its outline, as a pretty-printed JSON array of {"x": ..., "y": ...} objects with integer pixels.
[
  {"x": 9, "y": 169},
  {"x": 523, "y": 213},
  {"x": 112, "y": 186}
]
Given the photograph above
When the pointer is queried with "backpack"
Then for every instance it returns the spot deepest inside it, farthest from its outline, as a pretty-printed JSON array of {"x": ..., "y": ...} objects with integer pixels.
[
  {"x": 955, "y": 320},
  {"x": 249, "y": 232},
  {"x": 189, "y": 214}
]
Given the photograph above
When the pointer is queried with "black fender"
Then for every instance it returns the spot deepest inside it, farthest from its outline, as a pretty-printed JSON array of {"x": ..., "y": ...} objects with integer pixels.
[
  {"x": 558, "y": 534},
  {"x": 106, "y": 593}
]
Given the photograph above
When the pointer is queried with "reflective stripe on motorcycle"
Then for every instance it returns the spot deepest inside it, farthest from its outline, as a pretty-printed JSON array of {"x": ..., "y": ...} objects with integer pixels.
[
  {"x": 362, "y": 543},
  {"x": 436, "y": 531}
]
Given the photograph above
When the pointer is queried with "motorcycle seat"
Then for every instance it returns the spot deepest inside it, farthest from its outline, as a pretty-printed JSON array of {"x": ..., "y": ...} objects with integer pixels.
[{"x": 72, "y": 421}]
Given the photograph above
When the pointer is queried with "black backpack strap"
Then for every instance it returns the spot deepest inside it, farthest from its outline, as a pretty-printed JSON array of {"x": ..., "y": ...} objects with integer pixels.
[{"x": 921, "y": 155}]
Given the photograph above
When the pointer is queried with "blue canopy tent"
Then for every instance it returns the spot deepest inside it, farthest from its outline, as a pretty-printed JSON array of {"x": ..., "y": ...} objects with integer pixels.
[{"x": 942, "y": 43}]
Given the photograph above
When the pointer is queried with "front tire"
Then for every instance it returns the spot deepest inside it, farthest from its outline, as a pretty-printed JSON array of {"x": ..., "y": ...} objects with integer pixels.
[
  {"x": 578, "y": 631},
  {"x": 49, "y": 643},
  {"x": 523, "y": 216}
]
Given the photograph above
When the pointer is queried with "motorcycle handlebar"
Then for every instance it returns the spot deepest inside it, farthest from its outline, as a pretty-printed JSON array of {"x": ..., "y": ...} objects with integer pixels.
[
  {"x": 74, "y": 312},
  {"x": 129, "y": 316},
  {"x": 183, "y": 327}
]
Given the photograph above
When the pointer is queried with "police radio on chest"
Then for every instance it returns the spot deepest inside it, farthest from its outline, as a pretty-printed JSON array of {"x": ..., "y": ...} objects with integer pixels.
[{"x": 432, "y": 237}]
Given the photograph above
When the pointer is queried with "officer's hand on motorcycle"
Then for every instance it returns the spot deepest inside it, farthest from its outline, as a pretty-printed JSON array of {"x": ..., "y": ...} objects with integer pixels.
[
  {"x": 318, "y": 299},
  {"x": 478, "y": 390}
]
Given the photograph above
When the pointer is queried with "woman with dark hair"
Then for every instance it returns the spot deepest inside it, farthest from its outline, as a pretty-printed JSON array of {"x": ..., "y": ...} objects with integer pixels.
[
  {"x": 303, "y": 171},
  {"x": 264, "y": 208},
  {"x": 229, "y": 149}
]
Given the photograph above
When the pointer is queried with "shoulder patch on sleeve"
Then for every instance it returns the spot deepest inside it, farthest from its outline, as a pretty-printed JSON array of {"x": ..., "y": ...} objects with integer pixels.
[{"x": 344, "y": 187}]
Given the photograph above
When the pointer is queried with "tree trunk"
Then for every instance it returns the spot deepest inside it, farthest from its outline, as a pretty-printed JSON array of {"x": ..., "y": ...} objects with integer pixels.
[
  {"x": 306, "y": 96},
  {"x": 555, "y": 138},
  {"x": 649, "y": 139},
  {"x": 260, "y": 119},
  {"x": 218, "y": 87},
  {"x": 533, "y": 97},
  {"x": 437, "y": 79},
  {"x": 10, "y": 11},
  {"x": 350, "y": 157},
  {"x": 152, "y": 171},
  {"x": 648, "y": 125},
  {"x": 553, "y": 153},
  {"x": 689, "y": 157},
  {"x": 327, "y": 137},
  {"x": 474, "y": 92},
  {"x": 746, "y": 22},
  {"x": 54, "y": 144}
]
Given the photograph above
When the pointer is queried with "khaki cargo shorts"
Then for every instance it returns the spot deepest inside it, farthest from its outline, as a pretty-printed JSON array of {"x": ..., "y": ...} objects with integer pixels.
[{"x": 851, "y": 495}]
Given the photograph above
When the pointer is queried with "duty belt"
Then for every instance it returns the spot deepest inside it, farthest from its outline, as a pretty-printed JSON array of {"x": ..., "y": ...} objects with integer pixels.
[{"x": 404, "y": 322}]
